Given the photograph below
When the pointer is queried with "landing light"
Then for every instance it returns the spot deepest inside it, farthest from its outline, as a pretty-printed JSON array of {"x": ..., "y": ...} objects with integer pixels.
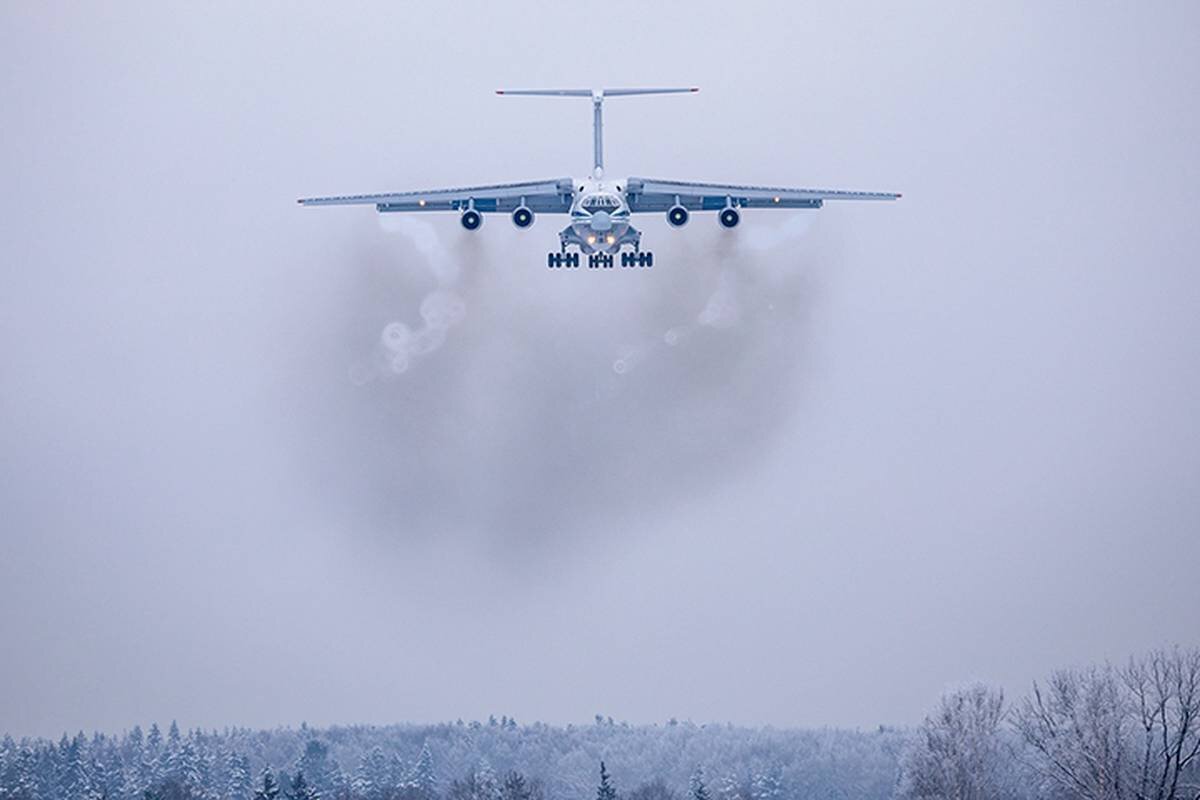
[
  {"x": 421, "y": 202},
  {"x": 774, "y": 199},
  {"x": 591, "y": 240},
  {"x": 610, "y": 239}
]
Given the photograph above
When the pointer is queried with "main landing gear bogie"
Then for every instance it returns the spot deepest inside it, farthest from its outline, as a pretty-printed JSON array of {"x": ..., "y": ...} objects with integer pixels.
[
  {"x": 559, "y": 260},
  {"x": 642, "y": 258}
]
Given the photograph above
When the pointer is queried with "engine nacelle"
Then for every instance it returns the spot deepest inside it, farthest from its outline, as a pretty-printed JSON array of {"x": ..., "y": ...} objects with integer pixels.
[
  {"x": 677, "y": 216},
  {"x": 729, "y": 217},
  {"x": 471, "y": 219},
  {"x": 522, "y": 217}
]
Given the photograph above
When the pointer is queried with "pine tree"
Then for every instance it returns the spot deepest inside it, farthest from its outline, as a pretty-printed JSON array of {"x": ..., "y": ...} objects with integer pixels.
[
  {"x": 423, "y": 780},
  {"x": 122, "y": 775},
  {"x": 269, "y": 789},
  {"x": 74, "y": 780},
  {"x": 301, "y": 790},
  {"x": 515, "y": 787},
  {"x": 317, "y": 767},
  {"x": 487, "y": 787},
  {"x": 606, "y": 790},
  {"x": 154, "y": 738},
  {"x": 201, "y": 765},
  {"x": 768, "y": 785},
  {"x": 397, "y": 773},
  {"x": 696, "y": 787},
  {"x": 372, "y": 779},
  {"x": 22, "y": 784},
  {"x": 45, "y": 773},
  {"x": 8, "y": 755},
  {"x": 185, "y": 767},
  {"x": 240, "y": 783},
  {"x": 106, "y": 778},
  {"x": 148, "y": 768}
]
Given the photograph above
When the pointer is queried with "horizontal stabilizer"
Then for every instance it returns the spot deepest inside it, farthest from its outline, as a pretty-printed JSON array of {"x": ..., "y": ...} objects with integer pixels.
[
  {"x": 594, "y": 92},
  {"x": 597, "y": 96}
]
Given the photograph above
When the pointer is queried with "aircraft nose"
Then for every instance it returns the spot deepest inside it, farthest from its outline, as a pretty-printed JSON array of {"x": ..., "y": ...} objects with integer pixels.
[{"x": 601, "y": 221}]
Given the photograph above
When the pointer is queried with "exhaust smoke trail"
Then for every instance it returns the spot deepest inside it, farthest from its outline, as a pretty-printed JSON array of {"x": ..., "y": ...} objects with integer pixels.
[
  {"x": 572, "y": 387},
  {"x": 401, "y": 347}
]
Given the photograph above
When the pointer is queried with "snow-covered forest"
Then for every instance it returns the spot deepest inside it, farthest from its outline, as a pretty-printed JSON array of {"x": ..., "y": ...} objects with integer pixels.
[
  {"x": 1106, "y": 732},
  {"x": 498, "y": 759}
]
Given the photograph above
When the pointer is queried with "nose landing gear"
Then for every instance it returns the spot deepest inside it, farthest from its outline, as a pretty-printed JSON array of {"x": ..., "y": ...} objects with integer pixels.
[{"x": 597, "y": 260}]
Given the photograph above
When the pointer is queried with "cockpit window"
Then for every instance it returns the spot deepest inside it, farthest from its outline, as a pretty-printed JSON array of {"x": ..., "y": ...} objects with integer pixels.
[{"x": 601, "y": 202}]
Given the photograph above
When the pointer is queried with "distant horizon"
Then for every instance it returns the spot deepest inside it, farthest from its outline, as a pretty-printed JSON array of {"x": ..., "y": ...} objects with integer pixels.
[{"x": 304, "y": 725}]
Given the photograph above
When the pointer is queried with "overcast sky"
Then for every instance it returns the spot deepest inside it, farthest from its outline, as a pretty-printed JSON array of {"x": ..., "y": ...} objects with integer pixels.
[{"x": 262, "y": 464}]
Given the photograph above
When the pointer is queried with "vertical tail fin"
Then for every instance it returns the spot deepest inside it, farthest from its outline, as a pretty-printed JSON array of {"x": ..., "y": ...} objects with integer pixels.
[{"x": 597, "y": 96}]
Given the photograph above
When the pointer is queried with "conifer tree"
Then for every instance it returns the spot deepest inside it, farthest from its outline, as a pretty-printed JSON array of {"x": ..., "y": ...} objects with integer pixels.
[
  {"x": 185, "y": 767},
  {"x": 8, "y": 755},
  {"x": 606, "y": 790},
  {"x": 397, "y": 773},
  {"x": 147, "y": 766},
  {"x": 423, "y": 780},
  {"x": 768, "y": 785},
  {"x": 74, "y": 780},
  {"x": 240, "y": 783},
  {"x": 317, "y": 767},
  {"x": 515, "y": 787},
  {"x": 106, "y": 778},
  {"x": 301, "y": 790},
  {"x": 22, "y": 785},
  {"x": 269, "y": 789},
  {"x": 154, "y": 738},
  {"x": 372, "y": 779},
  {"x": 487, "y": 787}
]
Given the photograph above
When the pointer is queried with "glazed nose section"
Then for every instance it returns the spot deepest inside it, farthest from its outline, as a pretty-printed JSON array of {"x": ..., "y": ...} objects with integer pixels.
[{"x": 601, "y": 221}]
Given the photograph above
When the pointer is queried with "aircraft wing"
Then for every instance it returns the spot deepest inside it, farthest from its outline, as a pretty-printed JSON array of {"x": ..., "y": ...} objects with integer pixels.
[
  {"x": 545, "y": 197},
  {"x": 653, "y": 194}
]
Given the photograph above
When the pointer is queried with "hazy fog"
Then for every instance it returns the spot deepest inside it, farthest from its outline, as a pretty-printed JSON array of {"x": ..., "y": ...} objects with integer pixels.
[{"x": 264, "y": 464}]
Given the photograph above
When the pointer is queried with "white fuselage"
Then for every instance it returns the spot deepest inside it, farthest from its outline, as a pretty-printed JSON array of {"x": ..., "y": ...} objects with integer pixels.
[{"x": 599, "y": 217}]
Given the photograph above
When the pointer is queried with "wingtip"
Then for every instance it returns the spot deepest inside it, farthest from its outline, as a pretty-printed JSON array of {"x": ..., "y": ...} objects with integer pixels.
[
  {"x": 695, "y": 88},
  {"x": 499, "y": 91}
]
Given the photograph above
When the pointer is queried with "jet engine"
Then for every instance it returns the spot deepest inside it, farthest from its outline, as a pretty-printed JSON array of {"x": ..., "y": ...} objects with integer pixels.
[
  {"x": 677, "y": 216},
  {"x": 522, "y": 217},
  {"x": 729, "y": 217},
  {"x": 471, "y": 219}
]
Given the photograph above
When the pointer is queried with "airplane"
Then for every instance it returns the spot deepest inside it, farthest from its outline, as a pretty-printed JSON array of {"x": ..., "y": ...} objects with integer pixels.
[{"x": 600, "y": 209}]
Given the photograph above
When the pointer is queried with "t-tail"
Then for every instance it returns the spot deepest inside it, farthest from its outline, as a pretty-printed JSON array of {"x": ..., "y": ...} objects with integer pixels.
[{"x": 597, "y": 96}]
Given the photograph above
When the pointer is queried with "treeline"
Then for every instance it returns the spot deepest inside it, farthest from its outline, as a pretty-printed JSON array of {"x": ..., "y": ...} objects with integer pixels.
[
  {"x": 1123, "y": 732},
  {"x": 493, "y": 760}
]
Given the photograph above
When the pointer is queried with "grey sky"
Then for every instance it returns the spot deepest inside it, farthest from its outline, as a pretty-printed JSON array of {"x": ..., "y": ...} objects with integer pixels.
[{"x": 891, "y": 447}]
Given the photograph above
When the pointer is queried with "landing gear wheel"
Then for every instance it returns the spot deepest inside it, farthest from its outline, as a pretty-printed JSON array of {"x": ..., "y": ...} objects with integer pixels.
[
  {"x": 572, "y": 259},
  {"x": 645, "y": 259},
  {"x": 554, "y": 260}
]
